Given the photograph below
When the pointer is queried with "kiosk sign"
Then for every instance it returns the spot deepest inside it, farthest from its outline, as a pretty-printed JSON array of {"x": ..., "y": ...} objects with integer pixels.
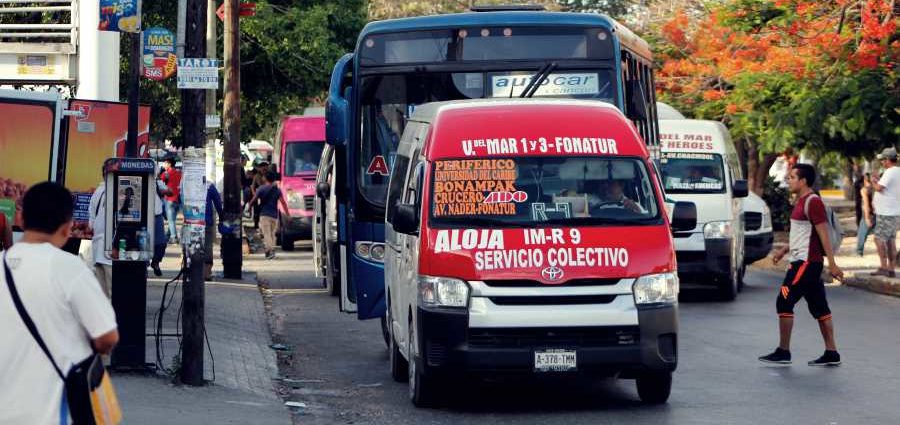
[{"x": 159, "y": 54}]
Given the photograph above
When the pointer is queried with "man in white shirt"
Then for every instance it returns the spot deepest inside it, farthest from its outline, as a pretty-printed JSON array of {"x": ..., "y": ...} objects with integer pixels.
[
  {"x": 102, "y": 263},
  {"x": 65, "y": 303},
  {"x": 887, "y": 209}
]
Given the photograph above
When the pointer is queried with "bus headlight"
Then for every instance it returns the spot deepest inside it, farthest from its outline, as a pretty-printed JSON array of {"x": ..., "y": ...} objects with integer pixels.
[
  {"x": 370, "y": 251},
  {"x": 443, "y": 292},
  {"x": 718, "y": 230},
  {"x": 659, "y": 288}
]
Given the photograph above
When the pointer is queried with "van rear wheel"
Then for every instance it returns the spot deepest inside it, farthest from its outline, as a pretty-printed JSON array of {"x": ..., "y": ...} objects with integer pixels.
[
  {"x": 654, "y": 387},
  {"x": 399, "y": 365}
]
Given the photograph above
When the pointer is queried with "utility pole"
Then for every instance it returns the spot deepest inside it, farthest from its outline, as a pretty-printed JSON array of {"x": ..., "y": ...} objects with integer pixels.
[
  {"x": 231, "y": 121},
  {"x": 212, "y": 53},
  {"x": 193, "y": 119},
  {"x": 134, "y": 67}
]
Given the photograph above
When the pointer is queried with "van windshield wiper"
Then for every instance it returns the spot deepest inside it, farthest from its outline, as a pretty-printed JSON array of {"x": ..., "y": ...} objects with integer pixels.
[{"x": 539, "y": 79}]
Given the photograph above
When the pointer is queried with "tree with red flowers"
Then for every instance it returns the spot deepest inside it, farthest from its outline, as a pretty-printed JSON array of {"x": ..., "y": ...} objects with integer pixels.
[{"x": 787, "y": 73}]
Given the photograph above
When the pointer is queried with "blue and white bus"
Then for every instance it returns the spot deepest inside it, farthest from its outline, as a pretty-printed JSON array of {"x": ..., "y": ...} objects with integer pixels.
[{"x": 401, "y": 63}]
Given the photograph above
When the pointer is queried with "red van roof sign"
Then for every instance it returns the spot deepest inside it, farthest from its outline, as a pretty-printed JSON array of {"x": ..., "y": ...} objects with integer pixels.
[
  {"x": 558, "y": 145},
  {"x": 551, "y": 128}
]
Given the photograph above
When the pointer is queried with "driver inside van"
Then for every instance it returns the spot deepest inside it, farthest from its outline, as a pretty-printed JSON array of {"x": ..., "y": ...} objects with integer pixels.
[{"x": 614, "y": 197}]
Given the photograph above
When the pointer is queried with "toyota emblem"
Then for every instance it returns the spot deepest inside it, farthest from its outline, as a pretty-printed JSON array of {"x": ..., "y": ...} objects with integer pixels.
[{"x": 552, "y": 273}]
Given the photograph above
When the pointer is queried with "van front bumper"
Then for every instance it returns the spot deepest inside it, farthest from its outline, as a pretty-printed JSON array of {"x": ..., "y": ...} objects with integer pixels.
[
  {"x": 296, "y": 227},
  {"x": 447, "y": 346},
  {"x": 757, "y": 247},
  {"x": 715, "y": 259}
]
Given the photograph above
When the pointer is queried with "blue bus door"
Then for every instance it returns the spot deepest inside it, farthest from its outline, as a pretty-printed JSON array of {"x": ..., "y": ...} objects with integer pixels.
[{"x": 362, "y": 279}]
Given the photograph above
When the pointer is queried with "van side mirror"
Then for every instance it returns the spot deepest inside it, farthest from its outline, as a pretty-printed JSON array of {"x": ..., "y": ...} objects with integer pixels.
[
  {"x": 323, "y": 189},
  {"x": 684, "y": 217},
  {"x": 739, "y": 189},
  {"x": 337, "y": 107},
  {"x": 405, "y": 220},
  {"x": 637, "y": 104}
]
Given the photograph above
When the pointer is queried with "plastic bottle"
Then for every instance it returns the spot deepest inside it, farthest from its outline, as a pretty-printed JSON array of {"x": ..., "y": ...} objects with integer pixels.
[{"x": 121, "y": 249}]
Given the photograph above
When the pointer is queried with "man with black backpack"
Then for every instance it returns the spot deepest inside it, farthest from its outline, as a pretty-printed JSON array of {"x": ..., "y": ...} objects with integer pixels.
[{"x": 810, "y": 241}]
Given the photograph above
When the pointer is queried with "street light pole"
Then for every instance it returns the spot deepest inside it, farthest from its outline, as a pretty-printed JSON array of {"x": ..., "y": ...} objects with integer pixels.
[{"x": 231, "y": 122}]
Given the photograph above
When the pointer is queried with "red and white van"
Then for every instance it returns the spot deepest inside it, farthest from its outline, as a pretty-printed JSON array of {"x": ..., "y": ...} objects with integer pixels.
[
  {"x": 529, "y": 236},
  {"x": 298, "y": 147}
]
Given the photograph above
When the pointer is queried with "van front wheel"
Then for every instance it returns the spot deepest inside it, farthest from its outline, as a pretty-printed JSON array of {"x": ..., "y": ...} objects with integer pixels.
[
  {"x": 422, "y": 389},
  {"x": 654, "y": 387},
  {"x": 728, "y": 284},
  {"x": 399, "y": 365}
]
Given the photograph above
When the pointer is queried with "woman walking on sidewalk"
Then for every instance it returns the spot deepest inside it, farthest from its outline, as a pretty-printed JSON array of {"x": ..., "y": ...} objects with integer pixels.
[{"x": 867, "y": 219}]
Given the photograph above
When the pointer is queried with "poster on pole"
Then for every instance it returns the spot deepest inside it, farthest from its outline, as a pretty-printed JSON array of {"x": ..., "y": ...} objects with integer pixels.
[
  {"x": 198, "y": 73},
  {"x": 159, "y": 58},
  {"x": 193, "y": 197},
  {"x": 120, "y": 16}
]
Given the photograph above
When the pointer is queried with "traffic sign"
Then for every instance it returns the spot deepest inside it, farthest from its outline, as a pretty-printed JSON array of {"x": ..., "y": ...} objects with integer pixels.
[
  {"x": 246, "y": 9},
  {"x": 198, "y": 73},
  {"x": 159, "y": 54}
]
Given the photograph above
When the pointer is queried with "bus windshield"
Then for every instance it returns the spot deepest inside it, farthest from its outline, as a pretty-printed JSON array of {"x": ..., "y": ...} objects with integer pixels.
[
  {"x": 388, "y": 101},
  {"x": 686, "y": 172},
  {"x": 525, "y": 191}
]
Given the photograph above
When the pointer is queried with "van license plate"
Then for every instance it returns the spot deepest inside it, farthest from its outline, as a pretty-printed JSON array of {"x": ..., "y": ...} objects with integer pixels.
[{"x": 555, "y": 361}]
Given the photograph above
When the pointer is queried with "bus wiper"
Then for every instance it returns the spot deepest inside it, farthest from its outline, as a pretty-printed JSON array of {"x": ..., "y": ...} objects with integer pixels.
[{"x": 536, "y": 82}]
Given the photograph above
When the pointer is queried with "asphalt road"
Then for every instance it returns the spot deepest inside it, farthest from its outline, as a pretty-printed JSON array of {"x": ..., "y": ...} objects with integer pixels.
[{"x": 339, "y": 367}]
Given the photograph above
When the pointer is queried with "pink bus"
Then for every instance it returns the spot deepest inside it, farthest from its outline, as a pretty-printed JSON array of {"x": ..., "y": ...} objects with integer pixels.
[{"x": 298, "y": 148}]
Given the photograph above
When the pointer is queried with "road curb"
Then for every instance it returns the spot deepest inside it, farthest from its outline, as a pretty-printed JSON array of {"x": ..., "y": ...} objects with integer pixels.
[{"x": 877, "y": 284}]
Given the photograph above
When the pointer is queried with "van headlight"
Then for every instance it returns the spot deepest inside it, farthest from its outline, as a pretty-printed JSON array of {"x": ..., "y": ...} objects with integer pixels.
[
  {"x": 443, "y": 292},
  {"x": 767, "y": 218},
  {"x": 718, "y": 230},
  {"x": 295, "y": 200},
  {"x": 656, "y": 289}
]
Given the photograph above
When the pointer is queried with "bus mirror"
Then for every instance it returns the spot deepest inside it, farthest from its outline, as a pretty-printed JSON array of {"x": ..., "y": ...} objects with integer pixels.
[
  {"x": 323, "y": 189},
  {"x": 637, "y": 103},
  {"x": 739, "y": 189},
  {"x": 405, "y": 220},
  {"x": 337, "y": 109},
  {"x": 684, "y": 217}
]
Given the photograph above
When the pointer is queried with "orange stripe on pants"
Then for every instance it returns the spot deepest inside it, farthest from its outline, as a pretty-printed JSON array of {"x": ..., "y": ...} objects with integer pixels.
[{"x": 799, "y": 273}]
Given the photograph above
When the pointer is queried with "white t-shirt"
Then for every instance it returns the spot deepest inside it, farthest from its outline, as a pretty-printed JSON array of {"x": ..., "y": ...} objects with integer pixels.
[
  {"x": 98, "y": 224},
  {"x": 887, "y": 202},
  {"x": 68, "y": 308}
]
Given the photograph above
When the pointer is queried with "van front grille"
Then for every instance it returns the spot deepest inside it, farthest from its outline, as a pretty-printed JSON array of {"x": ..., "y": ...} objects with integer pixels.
[
  {"x": 523, "y": 283},
  {"x": 580, "y": 337},
  {"x": 554, "y": 300}
]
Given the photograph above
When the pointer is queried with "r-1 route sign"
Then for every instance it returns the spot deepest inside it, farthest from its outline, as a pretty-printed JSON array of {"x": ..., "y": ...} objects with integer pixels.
[{"x": 198, "y": 73}]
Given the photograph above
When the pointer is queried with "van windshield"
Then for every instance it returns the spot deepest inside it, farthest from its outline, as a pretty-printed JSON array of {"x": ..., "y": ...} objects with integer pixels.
[
  {"x": 525, "y": 191},
  {"x": 686, "y": 172},
  {"x": 302, "y": 157}
]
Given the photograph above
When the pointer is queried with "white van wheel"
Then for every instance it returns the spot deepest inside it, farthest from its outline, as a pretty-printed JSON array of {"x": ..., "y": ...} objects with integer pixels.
[
  {"x": 654, "y": 387},
  {"x": 728, "y": 284},
  {"x": 422, "y": 389}
]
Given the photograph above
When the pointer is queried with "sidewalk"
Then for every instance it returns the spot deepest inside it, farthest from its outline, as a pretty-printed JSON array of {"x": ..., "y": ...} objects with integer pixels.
[
  {"x": 239, "y": 365},
  {"x": 856, "y": 268}
]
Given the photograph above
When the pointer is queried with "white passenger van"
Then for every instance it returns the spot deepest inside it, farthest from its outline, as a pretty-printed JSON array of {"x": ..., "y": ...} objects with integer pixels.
[{"x": 699, "y": 164}]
